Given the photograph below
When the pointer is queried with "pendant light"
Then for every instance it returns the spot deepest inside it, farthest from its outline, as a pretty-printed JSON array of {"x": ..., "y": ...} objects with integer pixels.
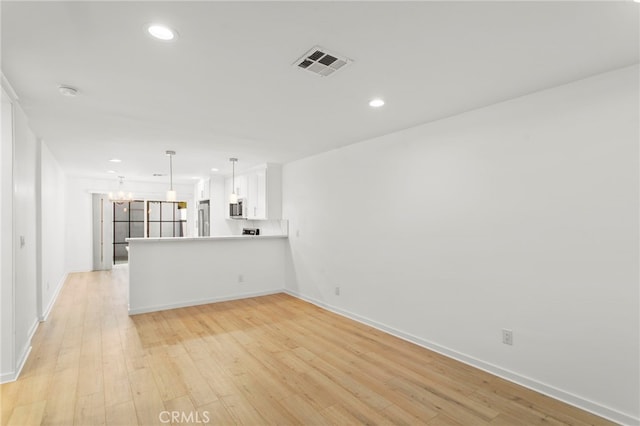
[
  {"x": 233, "y": 198},
  {"x": 120, "y": 197},
  {"x": 171, "y": 194}
]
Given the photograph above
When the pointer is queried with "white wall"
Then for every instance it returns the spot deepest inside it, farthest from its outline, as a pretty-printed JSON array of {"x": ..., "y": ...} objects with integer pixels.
[
  {"x": 20, "y": 286},
  {"x": 7, "y": 355},
  {"x": 79, "y": 230},
  {"x": 521, "y": 215},
  {"x": 24, "y": 220},
  {"x": 53, "y": 223}
]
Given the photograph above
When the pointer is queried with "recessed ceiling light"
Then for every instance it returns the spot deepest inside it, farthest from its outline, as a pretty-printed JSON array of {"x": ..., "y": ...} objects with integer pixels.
[
  {"x": 376, "y": 103},
  {"x": 115, "y": 160},
  {"x": 195, "y": 177},
  {"x": 213, "y": 169},
  {"x": 68, "y": 91},
  {"x": 161, "y": 32},
  {"x": 111, "y": 171}
]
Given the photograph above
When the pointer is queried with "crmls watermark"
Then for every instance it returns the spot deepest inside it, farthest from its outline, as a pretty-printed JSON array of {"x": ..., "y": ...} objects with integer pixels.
[{"x": 191, "y": 417}]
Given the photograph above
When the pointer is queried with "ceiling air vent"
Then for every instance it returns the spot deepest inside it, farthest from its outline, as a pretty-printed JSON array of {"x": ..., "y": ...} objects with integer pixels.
[{"x": 322, "y": 62}]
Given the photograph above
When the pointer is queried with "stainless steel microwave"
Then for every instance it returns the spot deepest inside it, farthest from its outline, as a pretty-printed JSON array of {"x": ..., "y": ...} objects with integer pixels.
[{"x": 238, "y": 210}]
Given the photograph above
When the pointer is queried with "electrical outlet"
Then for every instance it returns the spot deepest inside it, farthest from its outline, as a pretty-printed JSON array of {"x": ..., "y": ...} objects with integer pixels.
[
  {"x": 337, "y": 291},
  {"x": 297, "y": 232},
  {"x": 507, "y": 336},
  {"x": 240, "y": 278}
]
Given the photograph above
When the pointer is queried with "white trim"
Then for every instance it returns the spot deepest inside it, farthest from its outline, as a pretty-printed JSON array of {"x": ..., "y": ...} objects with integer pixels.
[
  {"x": 7, "y": 377},
  {"x": 80, "y": 271},
  {"x": 156, "y": 308},
  {"x": 7, "y": 100},
  {"x": 8, "y": 88},
  {"x": 32, "y": 330},
  {"x": 567, "y": 397},
  {"x": 13, "y": 375},
  {"x": 23, "y": 361},
  {"x": 56, "y": 293},
  {"x": 39, "y": 263}
]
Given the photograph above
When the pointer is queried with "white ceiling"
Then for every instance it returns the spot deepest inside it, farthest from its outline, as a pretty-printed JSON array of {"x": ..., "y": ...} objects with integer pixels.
[{"x": 227, "y": 88}]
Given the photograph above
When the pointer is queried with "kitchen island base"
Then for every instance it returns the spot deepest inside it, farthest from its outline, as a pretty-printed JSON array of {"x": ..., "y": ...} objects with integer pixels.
[{"x": 168, "y": 273}]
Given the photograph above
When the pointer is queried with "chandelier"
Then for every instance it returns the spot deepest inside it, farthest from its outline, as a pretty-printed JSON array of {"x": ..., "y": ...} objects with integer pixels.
[{"x": 121, "y": 196}]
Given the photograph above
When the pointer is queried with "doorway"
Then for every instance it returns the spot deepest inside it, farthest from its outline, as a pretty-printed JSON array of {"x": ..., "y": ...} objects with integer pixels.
[{"x": 128, "y": 222}]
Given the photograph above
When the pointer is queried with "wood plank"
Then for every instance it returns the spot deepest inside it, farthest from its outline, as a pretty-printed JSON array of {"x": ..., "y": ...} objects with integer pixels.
[
  {"x": 458, "y": 408},
  {"x": 8, "y": 396},
  {"x": 61, "y": 400},
  {"x": 30, "y": 414},
  {"x": 116, "y": 379},
  {"x": 146, "y": 397},
  {"x": 219, "y": 380},
  {"x": 242, "y": 411},
  {"x": 121, "y": 414},
  {"x": 265, "y": 360},
  {"x": 269, "y": 407},
  {"x": 32, "y": 389},
  {"x": 167, "y": 376},
  {"x": 180, "y": 410},
  {"x": 197, "y": 386},
  {"x": 217, "y": 413},
  {"x": 90, "y": 410},
  {"x": 90, "y": 377},
  {"x": 554, "y": 411}
]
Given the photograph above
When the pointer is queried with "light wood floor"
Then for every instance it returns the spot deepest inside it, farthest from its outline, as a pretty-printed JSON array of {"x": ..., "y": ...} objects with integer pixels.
[{"x": 267, "y": 360}]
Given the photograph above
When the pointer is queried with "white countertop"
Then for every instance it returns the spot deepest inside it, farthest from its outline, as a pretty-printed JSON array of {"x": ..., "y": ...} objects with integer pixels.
[{"x": 219, "y": 238}]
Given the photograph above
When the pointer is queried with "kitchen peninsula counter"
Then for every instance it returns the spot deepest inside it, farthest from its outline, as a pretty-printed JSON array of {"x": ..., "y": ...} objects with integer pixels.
[
  {"x": 167, "y": 273},
  {"x": 221, "y": 237}
]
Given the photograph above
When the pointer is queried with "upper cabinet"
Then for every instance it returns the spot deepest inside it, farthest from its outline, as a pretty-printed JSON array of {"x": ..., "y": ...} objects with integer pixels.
[
  {"x": 257, "y": 194},
  {"x": 240, "y": 186},
  {"x": 261, "y": 189},
  {"x": 202, "y": 189}
]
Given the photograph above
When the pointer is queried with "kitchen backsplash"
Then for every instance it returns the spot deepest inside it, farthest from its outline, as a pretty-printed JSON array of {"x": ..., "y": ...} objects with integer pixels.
[{"x": 267, "y": 227}]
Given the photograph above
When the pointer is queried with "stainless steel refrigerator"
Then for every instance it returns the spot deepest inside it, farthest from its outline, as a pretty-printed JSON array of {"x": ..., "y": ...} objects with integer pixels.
[{"x": 203, "y": 218}]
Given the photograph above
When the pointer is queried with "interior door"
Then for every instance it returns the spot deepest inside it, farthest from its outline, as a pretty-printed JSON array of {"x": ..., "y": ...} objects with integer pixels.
[{"x": 102, "y": 233}]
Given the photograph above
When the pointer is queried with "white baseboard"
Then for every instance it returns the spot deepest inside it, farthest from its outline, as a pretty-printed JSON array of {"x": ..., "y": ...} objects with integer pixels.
[
  {"x": 22, "y": 359},
  {"x": 7, "y": 377},
  {"x": 147, "y": 309},
  {"x": 26, "y": 351},
  {"x": 567, "y": 397},
  {"x": 56, "y": 293},
  {"x": 12, "y": 376}
]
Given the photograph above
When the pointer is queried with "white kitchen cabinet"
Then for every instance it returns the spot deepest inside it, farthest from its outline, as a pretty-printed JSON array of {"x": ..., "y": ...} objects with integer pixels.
[
  {"x": 269, "y": 198},
  {"x": 240, "y": 186},
  {"x": 257, "y": 194},
  {"x": 261, "y": 187},
  {"x": 202, "y": 190}
]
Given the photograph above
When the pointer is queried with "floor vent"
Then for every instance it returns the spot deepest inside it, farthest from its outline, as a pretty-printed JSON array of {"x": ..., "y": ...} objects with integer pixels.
[{"x": 321, "y": 62}]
